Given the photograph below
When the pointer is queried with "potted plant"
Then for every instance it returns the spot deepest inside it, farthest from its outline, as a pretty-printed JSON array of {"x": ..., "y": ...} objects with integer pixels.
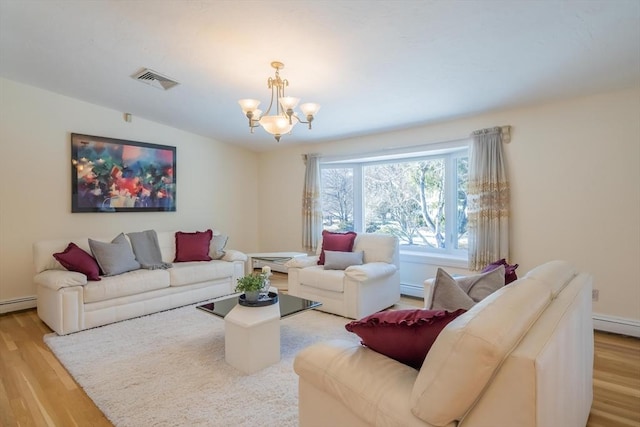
[{"x": 251, "y": 285}]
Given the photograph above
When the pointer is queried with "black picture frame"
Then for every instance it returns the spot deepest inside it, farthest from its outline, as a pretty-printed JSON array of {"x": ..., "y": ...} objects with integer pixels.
[{"x": 116, "y": 175}]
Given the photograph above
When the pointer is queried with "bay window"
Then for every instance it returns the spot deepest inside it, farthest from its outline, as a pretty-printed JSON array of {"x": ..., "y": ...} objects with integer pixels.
[{"x": 419, "y": 197}]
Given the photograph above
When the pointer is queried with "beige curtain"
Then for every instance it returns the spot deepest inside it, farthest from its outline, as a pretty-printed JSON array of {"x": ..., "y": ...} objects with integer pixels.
[
  {"x": 488, "y": 200},
  {"x": 311, "y": 206}
]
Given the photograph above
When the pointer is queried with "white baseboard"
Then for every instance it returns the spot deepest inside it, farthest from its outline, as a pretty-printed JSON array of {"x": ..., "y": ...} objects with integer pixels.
[
  {"x": 617, "y": 325},
  {"x": 412, "y": 290},
  {"x": 7, "y": 306}
]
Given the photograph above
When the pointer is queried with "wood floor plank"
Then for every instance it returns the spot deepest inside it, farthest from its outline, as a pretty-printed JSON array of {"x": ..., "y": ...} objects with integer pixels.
[{"x": 36, "y": 390}]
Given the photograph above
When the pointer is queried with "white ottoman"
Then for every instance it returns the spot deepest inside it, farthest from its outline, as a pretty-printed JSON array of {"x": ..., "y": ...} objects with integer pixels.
[{"x": 252, "y": 337}]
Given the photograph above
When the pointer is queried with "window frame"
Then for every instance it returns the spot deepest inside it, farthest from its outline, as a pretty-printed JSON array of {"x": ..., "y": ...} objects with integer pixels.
[{"x": 450, "y": 152}]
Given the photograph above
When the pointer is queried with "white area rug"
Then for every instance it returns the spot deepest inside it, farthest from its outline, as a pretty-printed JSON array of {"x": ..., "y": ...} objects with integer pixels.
[{"x": 168, "y": 369}]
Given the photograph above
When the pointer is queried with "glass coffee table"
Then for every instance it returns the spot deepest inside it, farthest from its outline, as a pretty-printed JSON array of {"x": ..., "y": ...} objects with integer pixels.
[
  {"x": 289, "y": 305},
  {"x": 252, "y": 334}
]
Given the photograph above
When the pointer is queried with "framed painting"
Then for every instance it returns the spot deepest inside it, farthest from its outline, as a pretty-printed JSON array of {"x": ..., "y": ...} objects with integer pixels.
[{"x": 115, "y": 175}]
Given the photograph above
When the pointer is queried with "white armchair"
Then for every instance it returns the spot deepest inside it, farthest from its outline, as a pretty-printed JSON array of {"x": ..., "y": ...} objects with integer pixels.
[{"x": 358, "y": 290}]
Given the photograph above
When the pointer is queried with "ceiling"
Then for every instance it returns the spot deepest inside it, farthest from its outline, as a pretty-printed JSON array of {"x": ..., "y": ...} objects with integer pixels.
[{"x": 374, "y": 66}]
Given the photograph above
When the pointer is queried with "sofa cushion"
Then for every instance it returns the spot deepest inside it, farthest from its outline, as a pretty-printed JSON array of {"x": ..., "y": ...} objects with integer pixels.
[
  {"x": 167, "y": 243},
  {"x": 448, "y": 295},
  {"x": 471, "y": 348},
  {"x": 116, "y": 257},
  {"x": 193, "y": 246},
  {"x": 509, "y": 270},
  {"x": 334, "y": 260},
  {"x": 403, "y": 335},
  {"x": 218, "y": 243},
  {"x": 373, "y": 386},
  {"x": 319, "y": 278},
  {"x": 188, "y": 273},
  {"x": 377, "y": 247},
  {"x": 75, "y": 259},
  {"x": 131, "y": 283},
  {"x": 342, "y": 242}
]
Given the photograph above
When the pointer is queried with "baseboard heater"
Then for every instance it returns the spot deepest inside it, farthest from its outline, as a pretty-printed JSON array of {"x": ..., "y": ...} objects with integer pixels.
[{"x": 15, "y": 304}]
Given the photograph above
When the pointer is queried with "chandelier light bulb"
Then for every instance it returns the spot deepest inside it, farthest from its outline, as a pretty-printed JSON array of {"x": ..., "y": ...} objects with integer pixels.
[
  {"x": 289, "y": 102},
  {"x": 248, "y": 105},
  {"x": 310, "y": 109}
]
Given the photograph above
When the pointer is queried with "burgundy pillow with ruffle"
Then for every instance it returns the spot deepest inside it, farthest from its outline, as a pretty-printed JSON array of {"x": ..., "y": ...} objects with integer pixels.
[{"x": 403, "y": 335}]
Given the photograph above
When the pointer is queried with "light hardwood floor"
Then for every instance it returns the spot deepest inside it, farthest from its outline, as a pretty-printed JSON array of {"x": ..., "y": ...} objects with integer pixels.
[{"x": 36, "y": 390}]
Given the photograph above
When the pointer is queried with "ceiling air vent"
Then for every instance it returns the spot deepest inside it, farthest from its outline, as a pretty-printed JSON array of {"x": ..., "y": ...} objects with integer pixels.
[{"x": 155, "y": 79}]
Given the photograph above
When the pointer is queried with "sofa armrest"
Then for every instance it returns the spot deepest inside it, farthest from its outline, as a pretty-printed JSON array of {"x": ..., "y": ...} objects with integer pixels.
[
  {"x": 58, "y": 279},
  {"x": 302, "y": 262},
  {"x": 374, "y": 387},
  {"x": 429, "y": 288},
  {"x": 370, "y": 271},
  {"x": 428, "y": 292},
  {"x": 233, "y": 255}
]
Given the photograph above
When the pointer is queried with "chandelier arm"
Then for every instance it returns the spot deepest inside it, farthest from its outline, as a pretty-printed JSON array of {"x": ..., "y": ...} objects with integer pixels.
[
  {"x": 308, "y": 122},
  {"x": 266, "y": 113}
]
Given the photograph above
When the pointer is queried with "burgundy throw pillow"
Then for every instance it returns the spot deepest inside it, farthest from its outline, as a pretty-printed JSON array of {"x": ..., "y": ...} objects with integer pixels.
[
  {"x": 75, "y": 259},
  {"x": 193, "y": 246},
  {"x": 403, "y": 335},
  {"x": 509, "y": 270},
  {"x": 339, "y": 242}
]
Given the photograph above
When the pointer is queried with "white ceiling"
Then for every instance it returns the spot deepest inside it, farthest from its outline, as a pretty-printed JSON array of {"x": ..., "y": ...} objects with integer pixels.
[{"x": 372, "y": 65}]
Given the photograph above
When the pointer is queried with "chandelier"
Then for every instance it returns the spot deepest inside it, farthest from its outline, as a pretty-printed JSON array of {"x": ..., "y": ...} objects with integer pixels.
[{"x": 284, "y": 118}]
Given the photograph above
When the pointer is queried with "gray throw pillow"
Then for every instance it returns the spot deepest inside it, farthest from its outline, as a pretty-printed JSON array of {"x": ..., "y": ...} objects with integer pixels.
[
  {"x": 482, "y": 285},
  {"x": 335, "y": 260},
  {"x": 447, "y": 295},
  {"x": 116, "y": 257},
  {"x": 217, "y": 246}
]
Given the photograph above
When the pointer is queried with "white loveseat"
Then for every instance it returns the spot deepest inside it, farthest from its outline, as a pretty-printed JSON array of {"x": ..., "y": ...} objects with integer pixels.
[
  {"x": 358, "y": 290},
  {"x": 523, "y": 356},
  {"x": 68, "y": 302}
]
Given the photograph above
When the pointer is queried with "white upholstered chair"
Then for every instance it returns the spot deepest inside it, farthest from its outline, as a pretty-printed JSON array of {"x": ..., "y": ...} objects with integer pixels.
[{"x": 358, "y": 290}]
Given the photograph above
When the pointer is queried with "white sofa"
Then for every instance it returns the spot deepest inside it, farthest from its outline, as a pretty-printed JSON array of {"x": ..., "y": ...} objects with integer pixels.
[
  {"x": 358, "y": 290},
  {"x": 68, "y": 302},
  {"x": 523, "y": 356}
]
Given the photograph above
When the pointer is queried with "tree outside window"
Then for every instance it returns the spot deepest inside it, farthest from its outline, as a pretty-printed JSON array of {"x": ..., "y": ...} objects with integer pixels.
[{"x": 410, "y": 198}]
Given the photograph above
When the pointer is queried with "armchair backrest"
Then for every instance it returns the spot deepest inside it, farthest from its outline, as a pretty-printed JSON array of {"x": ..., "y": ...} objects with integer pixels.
[{"x": 378, "y": 247}]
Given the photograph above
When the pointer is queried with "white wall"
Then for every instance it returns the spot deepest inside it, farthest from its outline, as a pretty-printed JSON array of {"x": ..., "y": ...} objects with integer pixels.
[
  {"x": 216, "y": 182},
  {"x": 575, "y": 174}
]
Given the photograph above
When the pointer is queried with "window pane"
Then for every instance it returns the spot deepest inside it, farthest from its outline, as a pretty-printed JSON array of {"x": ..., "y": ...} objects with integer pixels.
[
  {"x": 407, "y": 199},
  {"x": 462, "y": 175},
  {"x": 337, "y": 199}
]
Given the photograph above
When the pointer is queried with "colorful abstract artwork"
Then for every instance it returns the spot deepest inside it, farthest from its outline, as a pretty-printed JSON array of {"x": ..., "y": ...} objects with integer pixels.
[{"x": 113, "y": 175}]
